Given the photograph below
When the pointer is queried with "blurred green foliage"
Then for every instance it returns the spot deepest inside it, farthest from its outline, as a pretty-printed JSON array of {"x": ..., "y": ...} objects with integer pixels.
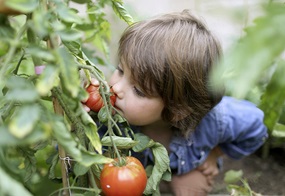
[{"x": 254, "y": 69}]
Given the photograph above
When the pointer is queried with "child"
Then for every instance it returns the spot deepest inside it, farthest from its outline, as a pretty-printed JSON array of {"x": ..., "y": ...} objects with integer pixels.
[{"x": 162, "y": 87}]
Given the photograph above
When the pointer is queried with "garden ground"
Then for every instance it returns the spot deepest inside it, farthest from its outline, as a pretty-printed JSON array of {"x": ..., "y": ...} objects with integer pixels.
[{"x": 265, "y": 176}]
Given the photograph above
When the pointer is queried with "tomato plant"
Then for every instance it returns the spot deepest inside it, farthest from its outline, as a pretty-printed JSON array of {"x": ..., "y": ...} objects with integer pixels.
[
  {"x": 127, "y": 180},
  {"x": 95, "y": 101},
  {"x": 46, "y": 135}
]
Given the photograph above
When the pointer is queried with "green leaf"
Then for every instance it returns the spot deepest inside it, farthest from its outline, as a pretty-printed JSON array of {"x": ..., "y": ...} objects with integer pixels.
[
  {"x": 24, "y": 121},
  {"x": 40, "y": 23},
  {"x": 120, "y": 142},
  {"x": 91, "y": 131},
  {"x": 65, "y": 139},
  {"x": 273, "y": 97},
  {"x": 122, "y": 12},
  {"x": 48, "y": 79},
  {"x": 103, "y": 114},
  {"x": 24, "y": 6},
  {"x": 70, "y": 35},
  {"x": 30, "y": 162},
  {"x": 40, "y": 52},
  {"x": 161, "y": 167},
  {"x": 279, "y": 130},
  {"x": 21, "y": 89},
  {"x": 90, "y": 158},
  {"x": 143, "y": 140},
  {"x": 246, "y": 63},
  {"x": 233, "y": 176},
  {"x": 68, "y": 15},
  {"x": 80, "y": 1},
  {"x": 6, "y": 182},
  {"x": 7, "y": 139},
  {"x": 74, "y": 47},
  {"x": 69, "y": 71},
  {"x": 79, "y": 169}
]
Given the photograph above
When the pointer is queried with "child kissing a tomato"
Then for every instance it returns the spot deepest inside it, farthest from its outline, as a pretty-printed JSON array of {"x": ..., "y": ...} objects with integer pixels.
[{"x": 162, "y": 87}]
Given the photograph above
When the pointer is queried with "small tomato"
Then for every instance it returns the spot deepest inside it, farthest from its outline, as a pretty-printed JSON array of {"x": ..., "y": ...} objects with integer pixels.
[
  {"x": 127, "y": 180},
  {"x": 95, "y": 101}
]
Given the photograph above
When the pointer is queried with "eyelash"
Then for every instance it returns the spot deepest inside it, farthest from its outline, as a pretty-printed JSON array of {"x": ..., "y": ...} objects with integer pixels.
[
  {"x": 138, "y": 92},
  {"x": 121, "y": 72}
]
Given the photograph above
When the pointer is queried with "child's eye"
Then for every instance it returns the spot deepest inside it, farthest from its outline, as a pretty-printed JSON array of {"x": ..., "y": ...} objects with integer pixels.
[
  {"x": 121, "y": 72},
  {"x": 138, "y": 92}
]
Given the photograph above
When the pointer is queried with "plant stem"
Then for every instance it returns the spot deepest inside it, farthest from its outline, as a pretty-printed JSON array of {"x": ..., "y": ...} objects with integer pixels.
[
  {"x": 104, "y": 88},
  {"x": 62, "y": 153}
]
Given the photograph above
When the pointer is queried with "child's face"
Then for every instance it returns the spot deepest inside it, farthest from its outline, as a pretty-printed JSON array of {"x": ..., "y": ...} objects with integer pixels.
[{"x": 137, "y": 108}]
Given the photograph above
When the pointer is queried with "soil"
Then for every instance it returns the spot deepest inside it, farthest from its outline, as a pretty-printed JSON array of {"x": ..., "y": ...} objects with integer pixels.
[{"x": 264, "y": 176}]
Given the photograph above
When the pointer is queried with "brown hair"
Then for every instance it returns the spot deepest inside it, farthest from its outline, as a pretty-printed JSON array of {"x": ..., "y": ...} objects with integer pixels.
[{"x": 171, "y": 56}]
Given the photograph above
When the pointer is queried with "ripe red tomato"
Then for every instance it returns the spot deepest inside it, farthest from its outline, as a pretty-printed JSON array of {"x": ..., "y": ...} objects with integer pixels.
[
  {"x": 95, "y": 101},
  {"x": 127, "y": 180}
]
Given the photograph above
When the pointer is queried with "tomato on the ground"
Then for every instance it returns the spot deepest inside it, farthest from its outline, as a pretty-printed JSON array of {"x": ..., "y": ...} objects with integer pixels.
[{"x": 127, "y": 180}]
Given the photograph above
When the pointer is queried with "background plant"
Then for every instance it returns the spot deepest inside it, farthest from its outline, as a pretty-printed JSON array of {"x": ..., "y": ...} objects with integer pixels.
[{"x": 254, "y": 69}]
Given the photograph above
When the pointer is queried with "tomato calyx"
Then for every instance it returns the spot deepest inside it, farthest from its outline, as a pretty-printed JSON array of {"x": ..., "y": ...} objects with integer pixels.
[{"x": 120, "y": 162}]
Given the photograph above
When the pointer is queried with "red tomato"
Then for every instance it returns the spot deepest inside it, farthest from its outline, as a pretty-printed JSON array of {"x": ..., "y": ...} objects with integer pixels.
[
  {"x": 127, "y": 180},
  {"x": 95, "y": 101}
]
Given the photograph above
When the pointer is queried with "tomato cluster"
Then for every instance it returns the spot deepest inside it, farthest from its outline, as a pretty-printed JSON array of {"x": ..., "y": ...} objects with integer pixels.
[
  {"x": 127, "y": 180},
  {"x": 95, "y": 100}
]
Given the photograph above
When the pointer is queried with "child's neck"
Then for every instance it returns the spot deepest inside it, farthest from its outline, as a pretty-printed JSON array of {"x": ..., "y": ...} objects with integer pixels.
[{"x": 159, "y": 132}]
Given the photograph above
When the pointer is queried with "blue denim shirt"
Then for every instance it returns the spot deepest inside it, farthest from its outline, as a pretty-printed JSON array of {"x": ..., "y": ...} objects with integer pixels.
[{"x": 236, "y": 126}]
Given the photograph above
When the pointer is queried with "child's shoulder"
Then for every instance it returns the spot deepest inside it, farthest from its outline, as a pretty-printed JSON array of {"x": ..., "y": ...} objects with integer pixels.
[{"x": 231, "y": 109}]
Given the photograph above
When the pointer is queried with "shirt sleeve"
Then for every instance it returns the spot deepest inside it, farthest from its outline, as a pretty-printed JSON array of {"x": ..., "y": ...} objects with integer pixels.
[{"x": 236, "y": 126}]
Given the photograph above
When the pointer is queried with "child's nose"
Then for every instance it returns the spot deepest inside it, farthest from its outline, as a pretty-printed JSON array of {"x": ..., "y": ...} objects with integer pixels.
[{"x": 118, "y": 89}]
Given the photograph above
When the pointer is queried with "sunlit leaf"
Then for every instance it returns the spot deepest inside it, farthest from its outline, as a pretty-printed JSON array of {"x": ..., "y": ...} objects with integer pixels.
[
  {"x": 48, "y": 79},
  {"x": 122, "y": 12},
  {"x": 7, "y": 139},
  {"x": 279, "y": 130},
  {"x": 233, "y": 176},
  {"x": 24, "y": 121}
]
